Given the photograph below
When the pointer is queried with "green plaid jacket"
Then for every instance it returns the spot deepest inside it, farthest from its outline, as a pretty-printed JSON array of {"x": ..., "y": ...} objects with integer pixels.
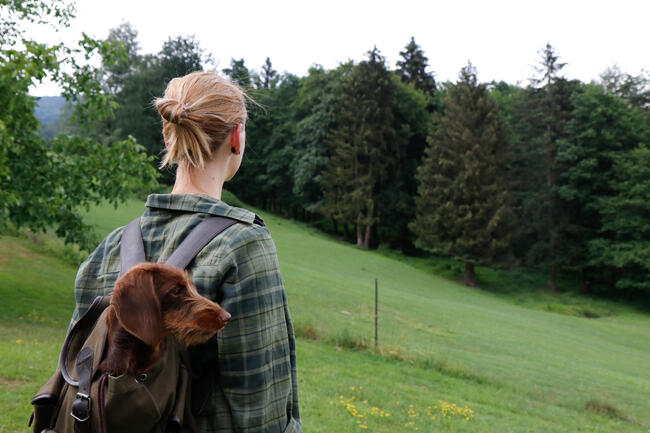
[{"x": 250, "y": 366}]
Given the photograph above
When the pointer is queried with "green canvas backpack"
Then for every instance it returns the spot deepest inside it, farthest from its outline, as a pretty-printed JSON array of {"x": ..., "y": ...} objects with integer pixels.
[{"x": 78, "y": 399}]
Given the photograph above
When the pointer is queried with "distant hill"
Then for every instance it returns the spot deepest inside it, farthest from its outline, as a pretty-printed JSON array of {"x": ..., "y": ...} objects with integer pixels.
[{"x": 48, "y": 110}]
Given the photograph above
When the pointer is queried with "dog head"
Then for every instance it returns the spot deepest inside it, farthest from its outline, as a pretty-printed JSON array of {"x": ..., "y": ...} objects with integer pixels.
[{"x": 153, "y": 300}]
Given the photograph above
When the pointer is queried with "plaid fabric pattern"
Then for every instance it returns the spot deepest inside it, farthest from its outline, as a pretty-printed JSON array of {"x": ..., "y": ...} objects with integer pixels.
[{"x": 250, "y": 366}]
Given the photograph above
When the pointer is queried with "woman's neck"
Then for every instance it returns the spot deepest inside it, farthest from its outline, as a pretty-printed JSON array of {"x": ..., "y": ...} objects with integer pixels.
[{"x": 190, "y": 180}]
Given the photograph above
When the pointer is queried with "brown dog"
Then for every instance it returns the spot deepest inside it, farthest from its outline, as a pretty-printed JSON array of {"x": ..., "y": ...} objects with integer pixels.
[{"x": 150, "y": 302}]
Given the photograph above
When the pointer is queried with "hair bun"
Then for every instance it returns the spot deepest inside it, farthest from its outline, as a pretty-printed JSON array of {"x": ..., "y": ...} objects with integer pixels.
[{"x": 173, "y": 111}]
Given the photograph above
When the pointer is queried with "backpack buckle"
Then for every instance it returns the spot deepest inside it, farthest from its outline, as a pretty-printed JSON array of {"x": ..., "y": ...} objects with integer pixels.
[{"x": 81, "y": 413}]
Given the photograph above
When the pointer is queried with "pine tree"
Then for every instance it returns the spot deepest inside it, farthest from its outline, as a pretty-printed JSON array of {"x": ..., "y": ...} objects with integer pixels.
[
  {"x": 363, "y": 154},
  {"x": 463, "y": 207},
  {"x": 541, "y": 117},
  {"x": 268, "y": 77},
  {"x": 239, "y": 73},
  {"x": 412, "y": 122},
  {"x": 412, "y": 69}
]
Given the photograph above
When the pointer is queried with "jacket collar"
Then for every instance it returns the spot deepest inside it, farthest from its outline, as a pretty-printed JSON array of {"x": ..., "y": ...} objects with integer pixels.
[{"x": 199, "y": 203}]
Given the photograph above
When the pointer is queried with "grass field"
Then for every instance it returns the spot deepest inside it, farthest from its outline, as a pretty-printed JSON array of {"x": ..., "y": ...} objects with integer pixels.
[{"x": 450, "y": 358}]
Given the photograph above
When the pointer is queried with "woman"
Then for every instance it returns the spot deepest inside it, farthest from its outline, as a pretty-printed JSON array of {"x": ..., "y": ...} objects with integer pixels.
[{"x": 248, "y": 370}]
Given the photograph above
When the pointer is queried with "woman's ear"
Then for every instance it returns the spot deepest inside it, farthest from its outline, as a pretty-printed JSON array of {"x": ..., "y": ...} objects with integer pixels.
[{"x": 235, "y": 140}]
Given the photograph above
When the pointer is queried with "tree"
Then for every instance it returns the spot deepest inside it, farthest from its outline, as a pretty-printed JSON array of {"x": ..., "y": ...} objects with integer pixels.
[
  {"x": 268, "y": 77},
  {"x": 363, "y": 149},
  {"x": 266, "y": 178},
  {"x": 397, "y": 199},
  {"x": 115, "y": 73},
  {"x": 541, "y": 115},
  {"x": 600, "y": 150},
  {"x": 315, "y": 112},
  {"x": 463, "y": 204},
  {"x": 239, "y": 73},
  {"x": 43, "y": 185},
  {"x": 412, "y": 69},
  {"x": 634, "y": 89},
  {"x": 624, "y": 241}
]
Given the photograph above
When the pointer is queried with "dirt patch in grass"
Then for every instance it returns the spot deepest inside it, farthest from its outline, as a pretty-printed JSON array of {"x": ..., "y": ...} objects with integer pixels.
[
  {"x": 609, "y": 410},
  {"x": 590, "y": 312},
  {"x": 10, "y": 382},
  {"x": 306, "y": 331}
]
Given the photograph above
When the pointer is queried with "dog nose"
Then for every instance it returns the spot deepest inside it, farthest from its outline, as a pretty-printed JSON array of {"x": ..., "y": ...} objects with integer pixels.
[{"x": 224, "y": 316}]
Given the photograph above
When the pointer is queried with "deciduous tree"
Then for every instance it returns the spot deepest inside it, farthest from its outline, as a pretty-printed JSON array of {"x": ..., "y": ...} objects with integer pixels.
[
  {"x": 44, "y": 185},
  {"x": 363, "y": 147}
]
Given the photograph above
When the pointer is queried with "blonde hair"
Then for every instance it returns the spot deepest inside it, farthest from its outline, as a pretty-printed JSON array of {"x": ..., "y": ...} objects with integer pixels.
[{"x": 199, "y": 111}]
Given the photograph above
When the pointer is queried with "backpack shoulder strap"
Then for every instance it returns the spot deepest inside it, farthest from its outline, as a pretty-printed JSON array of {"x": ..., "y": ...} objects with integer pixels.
[
  {"x": 198, "y": 238},
  {"x": 131, "y": 246},
  {"x": 77, "y": 336}
]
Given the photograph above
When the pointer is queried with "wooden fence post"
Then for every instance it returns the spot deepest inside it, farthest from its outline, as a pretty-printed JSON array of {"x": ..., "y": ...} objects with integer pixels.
[{"x": 376, "y": 315}]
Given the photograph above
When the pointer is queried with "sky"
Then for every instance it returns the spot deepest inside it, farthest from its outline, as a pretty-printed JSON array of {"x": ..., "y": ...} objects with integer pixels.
[{"x": 500, "y": 38}]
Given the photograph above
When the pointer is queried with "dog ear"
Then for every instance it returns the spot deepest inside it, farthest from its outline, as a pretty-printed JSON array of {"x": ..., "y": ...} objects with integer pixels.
[
  {"x": 167, "y": 277},
  {"x": 137, "y": 306}
]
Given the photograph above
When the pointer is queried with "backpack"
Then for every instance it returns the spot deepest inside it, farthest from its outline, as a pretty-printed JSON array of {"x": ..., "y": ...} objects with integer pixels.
[{"x": 77, "y": 399}]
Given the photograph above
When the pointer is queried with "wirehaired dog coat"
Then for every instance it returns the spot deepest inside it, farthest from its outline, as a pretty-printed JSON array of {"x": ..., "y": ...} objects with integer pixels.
[{"x": 150, "y": 302}]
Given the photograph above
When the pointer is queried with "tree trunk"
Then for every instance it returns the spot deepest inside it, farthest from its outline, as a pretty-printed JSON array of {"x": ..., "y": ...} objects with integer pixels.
[
  {"x": 613, "y": 278},
  {"x": 374, "y": 236},
  {"x": 359, "y": 236},
  {"x": 584, "y": 282},
  {"x": 346, "y": 232},
  {"x": 552, "y": 274},
  {"x": 470, "y": 276},
  {"x": 366, "y": 240},
  {"x": 336, "y": 225}
]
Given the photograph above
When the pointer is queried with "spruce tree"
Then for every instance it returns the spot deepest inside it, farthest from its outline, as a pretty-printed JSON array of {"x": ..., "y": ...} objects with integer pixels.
[
  {"x": 268, "y": 77},
  {"x": 412, "y": 68},
  {"x": 239, "y": 73},
  {"x": 540, "y": 119},
  {"x": 463, "y": 206},
  {"x": 363, "y": 152},
  {"x": 412, "y": 122}
]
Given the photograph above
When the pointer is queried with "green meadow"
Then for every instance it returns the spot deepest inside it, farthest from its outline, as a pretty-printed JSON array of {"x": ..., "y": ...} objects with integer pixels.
[{"x": 450, "y": 358}]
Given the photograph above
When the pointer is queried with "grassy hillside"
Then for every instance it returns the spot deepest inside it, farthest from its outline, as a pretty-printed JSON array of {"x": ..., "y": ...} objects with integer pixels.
[{"x": 450, "y": 358}]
